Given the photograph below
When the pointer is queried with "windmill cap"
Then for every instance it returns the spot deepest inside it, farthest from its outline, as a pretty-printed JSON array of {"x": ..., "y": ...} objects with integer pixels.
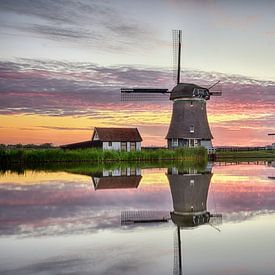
[
  {"x": 189, "y": 90},
  {"x": 190, "y": 220}
]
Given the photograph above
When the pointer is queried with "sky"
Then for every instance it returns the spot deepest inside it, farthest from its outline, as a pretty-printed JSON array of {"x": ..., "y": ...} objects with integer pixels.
[{"x": 62, "y": 64}]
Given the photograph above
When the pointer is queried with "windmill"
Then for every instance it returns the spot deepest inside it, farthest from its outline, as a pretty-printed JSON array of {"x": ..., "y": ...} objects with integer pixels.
[
  {"x": 189, "y": 124},
  {"x": 189, "y": 190}
]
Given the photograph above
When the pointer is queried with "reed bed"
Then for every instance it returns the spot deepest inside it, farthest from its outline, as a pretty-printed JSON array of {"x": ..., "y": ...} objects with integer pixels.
[{"x": 95, "y": 155}]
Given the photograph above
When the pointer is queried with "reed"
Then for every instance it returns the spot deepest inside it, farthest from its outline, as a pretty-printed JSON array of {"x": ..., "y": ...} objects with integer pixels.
[{"x": 95, "y": 155}]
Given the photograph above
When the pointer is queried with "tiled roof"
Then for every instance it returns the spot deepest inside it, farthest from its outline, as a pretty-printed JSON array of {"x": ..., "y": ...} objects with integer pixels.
[
  {"x": 118, "y": 134},
  {"x": 118, "y": 182}
]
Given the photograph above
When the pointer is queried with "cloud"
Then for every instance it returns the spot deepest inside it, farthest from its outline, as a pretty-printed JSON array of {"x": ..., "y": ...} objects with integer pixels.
[
  {"x": 78, "y": 22},
  {"x": 59, "y": 88}
]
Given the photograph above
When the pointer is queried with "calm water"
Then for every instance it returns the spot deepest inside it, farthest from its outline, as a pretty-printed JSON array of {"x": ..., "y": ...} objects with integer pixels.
[{"x": 223, "y": 221}]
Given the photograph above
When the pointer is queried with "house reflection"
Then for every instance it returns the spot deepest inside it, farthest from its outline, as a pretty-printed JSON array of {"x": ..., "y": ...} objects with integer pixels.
[{"x": 119, "y": 178}]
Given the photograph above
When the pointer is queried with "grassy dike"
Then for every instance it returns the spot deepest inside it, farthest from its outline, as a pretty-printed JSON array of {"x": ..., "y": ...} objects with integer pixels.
[
  {"x": 245, "y": 155},
  {"x": 25, "y": 156}
]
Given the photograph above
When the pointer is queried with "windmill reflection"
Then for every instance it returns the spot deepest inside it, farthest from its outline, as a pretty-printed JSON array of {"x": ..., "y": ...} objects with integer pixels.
[{"x": 189, "y": 190}]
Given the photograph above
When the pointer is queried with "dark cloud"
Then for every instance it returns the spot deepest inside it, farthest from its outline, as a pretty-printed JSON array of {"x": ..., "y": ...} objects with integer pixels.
[
  {"x": 65, "y": 128},
  {"x": 59, "y": 88}
]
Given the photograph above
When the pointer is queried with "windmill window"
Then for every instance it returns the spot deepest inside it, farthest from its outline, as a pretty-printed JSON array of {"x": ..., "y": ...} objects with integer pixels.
[
  {"x": 174, "y": 142},
  {"x": 192, "y": 129}
]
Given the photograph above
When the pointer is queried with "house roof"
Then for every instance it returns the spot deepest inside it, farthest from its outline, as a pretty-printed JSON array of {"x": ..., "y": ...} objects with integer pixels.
[
  {"x": 117, "y": 182},
  {"x": 83, "y": 144},
  {"x": 117, "y": 134}
]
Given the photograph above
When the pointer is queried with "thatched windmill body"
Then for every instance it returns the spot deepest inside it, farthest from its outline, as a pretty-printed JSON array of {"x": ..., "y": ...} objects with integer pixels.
[{"x": 189, "y": 125}]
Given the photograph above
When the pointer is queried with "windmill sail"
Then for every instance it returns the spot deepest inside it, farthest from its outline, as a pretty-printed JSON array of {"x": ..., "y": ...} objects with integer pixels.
[
  {"x": 138, "y": 94},
  {"x": 177, "y": 36},
  {"x": 177, "y": 270}
]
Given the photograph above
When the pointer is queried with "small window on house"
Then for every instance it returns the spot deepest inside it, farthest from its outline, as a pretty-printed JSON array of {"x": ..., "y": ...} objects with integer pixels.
[
  {"x": 124, "y": 172},
  {"x": 132, "y": 146},
  {"x": 192, "y": 129},
  {"x": 132, "y": 171},
  {"x": 123, "y": 146},
  {"x": 110, "y": 143},
  {"x": 191, "y": 103}
]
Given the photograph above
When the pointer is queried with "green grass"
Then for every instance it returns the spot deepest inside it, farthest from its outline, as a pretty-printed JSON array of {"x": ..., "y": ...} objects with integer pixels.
[
  {"x": 35, "y": 156},
  {"x": 245, "y": 155}
]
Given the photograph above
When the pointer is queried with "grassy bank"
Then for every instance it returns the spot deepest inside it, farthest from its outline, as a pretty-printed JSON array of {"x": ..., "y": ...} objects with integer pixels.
[
  {"x": 35, "y": 156},
  {"x": 244, "y": 155},
  {"x": 89, "y": 168}
]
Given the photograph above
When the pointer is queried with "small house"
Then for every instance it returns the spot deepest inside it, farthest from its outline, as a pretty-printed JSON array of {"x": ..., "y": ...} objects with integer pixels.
[{"x": 119, "y": 139}]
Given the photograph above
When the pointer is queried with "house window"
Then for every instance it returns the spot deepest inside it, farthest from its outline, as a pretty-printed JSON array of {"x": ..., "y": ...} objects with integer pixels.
[
  {"x": 123, "y": 146},
  {"x": 192, "y": 129},
  {"x": 191, "y": 103},
  {"x": 132, "y": 146},
  {"x": 174, "y": 142},
  {"x": 191, "y": 142},
  {"x": 133, "y": 171},
  {"x": 110, "y": 143},
  {"x": 123, "y": 172}
]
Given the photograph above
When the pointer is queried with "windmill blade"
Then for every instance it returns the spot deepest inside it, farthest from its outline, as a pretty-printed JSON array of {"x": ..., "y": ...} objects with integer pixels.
[
  {"x": 177, "y": 37},
  {"x": 144, "y": 90},
  {"x": 177, "y": 270},
  {"x": 215, "y": 93},
  {"x": 216, "y": 89},
  {"x": 215, "y": 219},
  {"x": 144, "y": 216},
  {"x": 143, "y": 94}
]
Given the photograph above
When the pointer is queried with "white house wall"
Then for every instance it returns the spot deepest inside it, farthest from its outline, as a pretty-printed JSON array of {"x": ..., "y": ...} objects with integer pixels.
[
  {"x": 114, "y": 146},
  {"x": 117, "y": 146},
  {"x": 207, "y": 144},
  {"x": 138, "y": 146},
  {"x": 95, "y": 136}
]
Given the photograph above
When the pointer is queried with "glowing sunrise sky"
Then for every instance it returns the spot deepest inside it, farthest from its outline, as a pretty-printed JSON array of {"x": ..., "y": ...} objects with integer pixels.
[{"x": 62, "y": 64}]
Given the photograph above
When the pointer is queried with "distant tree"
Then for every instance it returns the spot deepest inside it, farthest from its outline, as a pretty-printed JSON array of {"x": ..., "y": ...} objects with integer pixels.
[{"x": 46, "y": 145}]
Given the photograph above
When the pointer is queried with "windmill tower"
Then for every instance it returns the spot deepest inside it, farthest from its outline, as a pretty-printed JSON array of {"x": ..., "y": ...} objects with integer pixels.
[{"x": 189, "y": 124}]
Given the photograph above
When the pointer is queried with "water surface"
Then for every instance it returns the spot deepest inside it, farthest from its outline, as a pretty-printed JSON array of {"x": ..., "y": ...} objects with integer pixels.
[{"x": 70, "y": 223}]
